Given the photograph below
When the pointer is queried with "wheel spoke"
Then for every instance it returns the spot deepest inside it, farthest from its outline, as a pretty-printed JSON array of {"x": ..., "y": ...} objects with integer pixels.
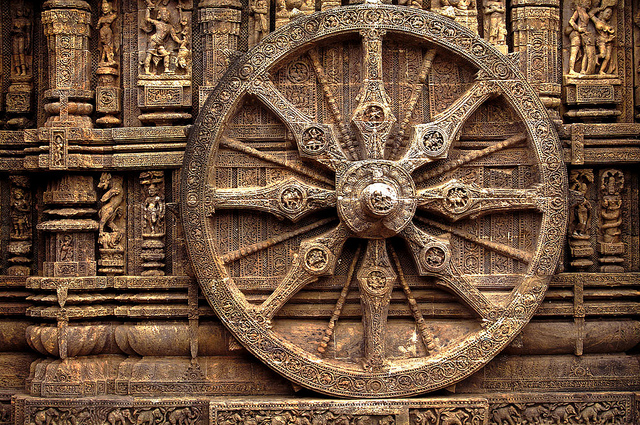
[
  {"x": 345, "y": 136},
  {"x": 290, "y": 198},
  {"x": 259, "y": 246},
  {"x": 433, "y": 140},
  {"x": 425, "y": 67},
  {"x": 241, "y": 147},
  {"x": 506, "y": 250},
  {"x": 456, "y": 200},
  {"x": 337, "y": 310},
  {"x": 376, "y": 279},
  {"x": 316, "y": 257},
  {"x": 433, "y": 258},
  {"x": 315, "y": 140},
  {"x": 427, "y": 339},
  {"x": 373, "y": 117},
  {"x": 467, "y": 158}
]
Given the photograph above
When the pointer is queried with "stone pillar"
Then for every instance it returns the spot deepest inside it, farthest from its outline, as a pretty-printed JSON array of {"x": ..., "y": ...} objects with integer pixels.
[
  {"x": 70, "y": 238},
  {"x": 219, "y": 22},
  {"x": 536, "y": 36},
  {"x": 67, "y": 25}
]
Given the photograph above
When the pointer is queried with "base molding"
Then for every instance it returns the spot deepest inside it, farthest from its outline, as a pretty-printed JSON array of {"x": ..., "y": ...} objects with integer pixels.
[{"x": 619, "y": 408}]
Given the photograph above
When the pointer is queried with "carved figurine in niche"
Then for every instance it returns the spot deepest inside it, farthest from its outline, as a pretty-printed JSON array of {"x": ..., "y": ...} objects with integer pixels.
[
  {"x": 582, "y": 39},
  {"x": 21, "y": 39},
  {"x": 411, "y": 3},
  {"x": 605, "y": 37},
  {"x": 495, "y": 29},
  {"x": 448, "y": 7},
  {"x": 110, "y": 211},
  {"x": 282, "y": 13},
  {"x": 184, "y": 53},
  {"x": 157, "y": 46},
  {"x": 463, "y": 12},
  {"x": 580, "y": 180},
  {"x": 105, "y": 29},
  {"x": 153, "y": 210},
  {"x": 259, "y": 11},
  {"x": 66, "y": 248},
  {"x": 20, "y": 210},
  {"x": 612, "y": 184}
]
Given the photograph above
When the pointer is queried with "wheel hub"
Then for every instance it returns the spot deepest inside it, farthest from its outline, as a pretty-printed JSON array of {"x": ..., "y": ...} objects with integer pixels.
[{"x": 376, "y": 199}]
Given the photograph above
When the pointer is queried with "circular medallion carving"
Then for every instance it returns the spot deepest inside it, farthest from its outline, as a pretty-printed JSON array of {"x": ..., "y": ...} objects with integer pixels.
[{"x": 368, "y": 208}]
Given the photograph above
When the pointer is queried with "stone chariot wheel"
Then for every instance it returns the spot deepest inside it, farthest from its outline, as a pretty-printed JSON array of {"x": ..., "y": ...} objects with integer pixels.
[{"x": 374, "y": 201}]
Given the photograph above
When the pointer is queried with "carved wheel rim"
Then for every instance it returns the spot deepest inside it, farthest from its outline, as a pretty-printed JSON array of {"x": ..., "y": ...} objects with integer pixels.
[{"x": 382, "y": 203}]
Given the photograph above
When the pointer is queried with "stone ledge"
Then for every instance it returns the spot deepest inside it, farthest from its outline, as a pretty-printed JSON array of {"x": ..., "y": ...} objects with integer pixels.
[{"x": 511, "y": 408}]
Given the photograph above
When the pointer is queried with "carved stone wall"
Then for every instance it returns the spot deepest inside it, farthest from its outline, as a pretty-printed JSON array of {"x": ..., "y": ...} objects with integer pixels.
[{"x": 297, "y": 212}]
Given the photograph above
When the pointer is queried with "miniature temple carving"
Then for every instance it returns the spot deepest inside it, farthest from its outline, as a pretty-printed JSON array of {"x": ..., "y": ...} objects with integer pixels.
[{"x": 356, "y": 212}]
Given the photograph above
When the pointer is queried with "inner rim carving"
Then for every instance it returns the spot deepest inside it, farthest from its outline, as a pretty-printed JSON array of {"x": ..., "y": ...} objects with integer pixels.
[{"x": 364, "y": 190}]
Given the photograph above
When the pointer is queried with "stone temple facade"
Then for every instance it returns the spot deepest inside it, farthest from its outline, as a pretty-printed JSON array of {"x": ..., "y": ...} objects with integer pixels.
[{"x": 299, "y": 212}]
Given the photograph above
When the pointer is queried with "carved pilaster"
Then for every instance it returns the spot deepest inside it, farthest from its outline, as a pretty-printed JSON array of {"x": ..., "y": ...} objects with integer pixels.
[
  {"x": 67, "y": 25},
  {"x": 153, "y": 231},
  {"x": 164, "y": 76},
  {"x": 219, "y": 21},
  {"x": 19, "y": 98},
  {"x": 536, "y": 36},
  {"x": 610, "y": 245},
  {"x": 20, "y": 245},
  {"x": 108, "y": 91}
]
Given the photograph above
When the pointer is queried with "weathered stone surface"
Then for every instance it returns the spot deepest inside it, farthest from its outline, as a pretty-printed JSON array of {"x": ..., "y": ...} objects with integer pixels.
[{"x": 208, "y": 204}]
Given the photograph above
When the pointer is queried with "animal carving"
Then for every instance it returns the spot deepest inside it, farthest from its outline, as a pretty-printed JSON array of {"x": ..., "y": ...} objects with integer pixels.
[
  {"x": 534, "y": 415},
  {"x": 589, "y": 415},
  {"x": 609, "y": 416},
  {"x": 562, "y": 414},
  {"x": 505, "y": 414},
  {"x": 46, "y": 417},
  {"x": 454, "y": 418},
  {"x": 119, "y": 417},
  {"x": 111, "y": 208},
  {"x": 149, "y": 417},
  {"x": 183, "y": 416}
]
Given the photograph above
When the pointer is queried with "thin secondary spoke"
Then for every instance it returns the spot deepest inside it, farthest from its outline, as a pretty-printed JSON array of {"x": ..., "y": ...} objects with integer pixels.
[
  {"x": 337, "y": 310},
  {"x": 425, "y": 67},
  {"x": 507, "y": 251},
  {"x": 241, "y": 147},
  {"x": 345, "y": 136},
  {"x": 259, "y": 246},
  {"x": 427, "y": 339},
  {"x": 467, "y": 158}
]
